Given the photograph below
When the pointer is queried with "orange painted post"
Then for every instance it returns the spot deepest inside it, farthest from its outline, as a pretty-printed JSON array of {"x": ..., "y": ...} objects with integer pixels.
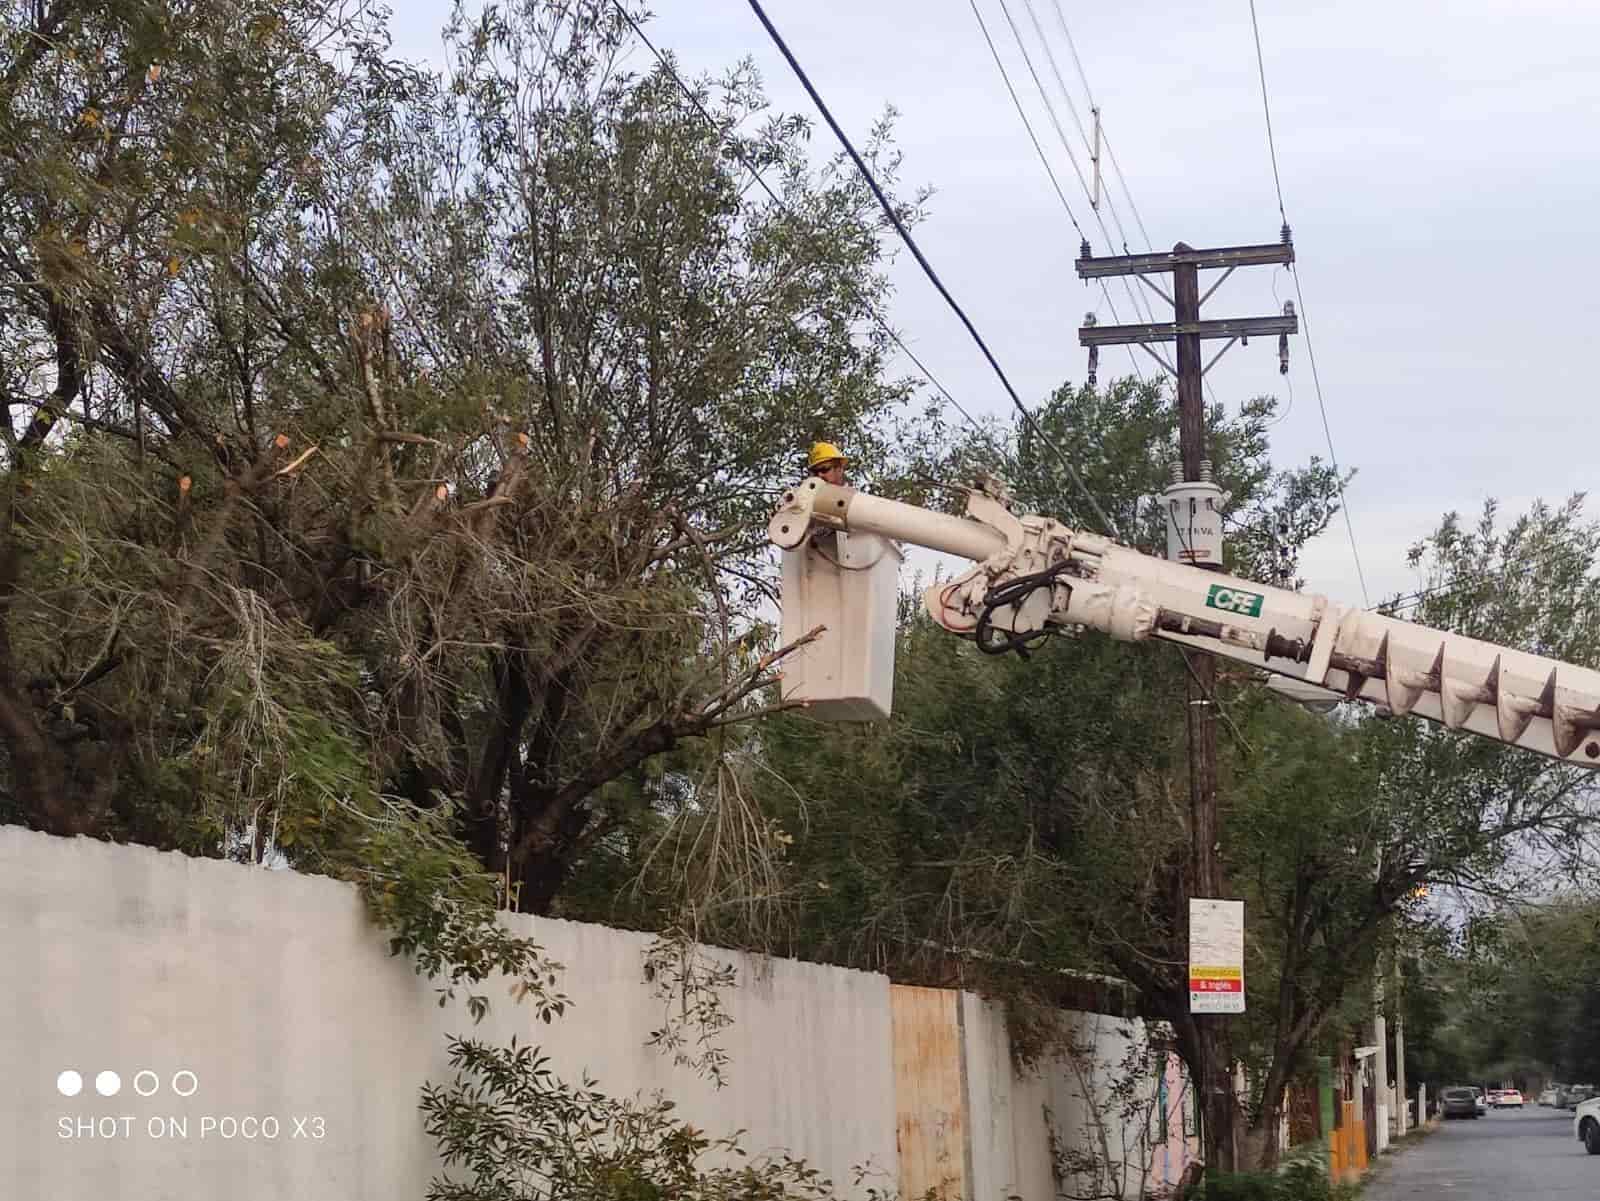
[{"x": 1347, "y": 1146}]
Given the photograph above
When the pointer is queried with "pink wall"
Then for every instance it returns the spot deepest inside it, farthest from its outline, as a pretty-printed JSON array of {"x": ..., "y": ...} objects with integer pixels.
[{"x": 1174, "y": 1155}]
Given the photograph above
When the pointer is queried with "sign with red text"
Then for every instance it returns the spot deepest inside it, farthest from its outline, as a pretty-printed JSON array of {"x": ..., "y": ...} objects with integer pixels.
[{"x": 1216, "y": 956}]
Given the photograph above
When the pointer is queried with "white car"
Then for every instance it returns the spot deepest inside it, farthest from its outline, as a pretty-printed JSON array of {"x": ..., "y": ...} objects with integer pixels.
[
  {"x": 1508, "y": 1098},
  {"x": 1586, "y": 1125}
]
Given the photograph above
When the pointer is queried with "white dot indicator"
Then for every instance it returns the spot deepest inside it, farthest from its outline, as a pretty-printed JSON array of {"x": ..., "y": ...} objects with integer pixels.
[
  {"x": 108, "y": 1084},
  {"x": 146, "y": 1083},
  {"x": 194, "y": 1083},
  {"x": 69, "y": 1083}
]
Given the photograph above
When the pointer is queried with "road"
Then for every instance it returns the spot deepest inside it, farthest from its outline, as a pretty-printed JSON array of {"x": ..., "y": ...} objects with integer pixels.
[{"x": 1506, "y": 1155}]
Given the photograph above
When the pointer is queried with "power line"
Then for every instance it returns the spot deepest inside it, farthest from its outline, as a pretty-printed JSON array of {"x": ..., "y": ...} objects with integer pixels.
[
  {"x": 1088, "y": 92},
  {"x": 1111, "y": 153},
  {"x": 755, "y": 174},
  {"x": 1105, "y": 139},
  {"x": 1044, "y": 159},
  {"x": 1305, "y": 324},
  {"x": 1327, "y": 433},
  {"x": 1414, "y": 600},
  {"x": 1133, "y": 297},
  {"x": 1083, "y": 135},
  {"x": 933, "y": 276},
  {"x": 1134, "y": 294},
  {"x": 1266, "y": 111}
]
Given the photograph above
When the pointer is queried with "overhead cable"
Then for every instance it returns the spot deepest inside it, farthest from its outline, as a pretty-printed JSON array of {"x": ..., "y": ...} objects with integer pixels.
[
  {"x": 1105, "y": 138},
  {"x": 1044, "y": 159},
  {"x": 1088, "y": 144},
  {"x": 1266, "y": 111},
  {"x": 922, "y": 261},
  {"x": 1066, "y": 145},
  {"x": 1305, "y": 324},
  {"x": 1122, "y": 180},
  {"x": 755, "y": 174}
]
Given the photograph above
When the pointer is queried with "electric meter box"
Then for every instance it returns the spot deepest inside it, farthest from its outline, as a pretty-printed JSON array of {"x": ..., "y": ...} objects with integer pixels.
[{"x": 849, "y": 583}]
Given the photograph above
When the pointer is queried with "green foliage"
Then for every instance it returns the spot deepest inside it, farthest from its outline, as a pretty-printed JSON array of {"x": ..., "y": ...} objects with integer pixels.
[
  {"x": 509, "y": 1130},
  {"x": 424, "y": 887},
  {"x": 1519, "y": 1001},
  {"x": 691, "y": 985},
  {"x": 400, "y": 433}
]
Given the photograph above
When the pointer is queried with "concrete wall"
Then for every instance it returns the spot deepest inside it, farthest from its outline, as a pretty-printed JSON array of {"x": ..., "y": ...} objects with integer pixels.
[
  {"x": 1067, "y": 1105},
  {"x": 280, "y": 998}
]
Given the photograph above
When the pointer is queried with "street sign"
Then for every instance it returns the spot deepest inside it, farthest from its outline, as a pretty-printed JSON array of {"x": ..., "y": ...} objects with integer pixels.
[{"x": 1216, "y": 956}]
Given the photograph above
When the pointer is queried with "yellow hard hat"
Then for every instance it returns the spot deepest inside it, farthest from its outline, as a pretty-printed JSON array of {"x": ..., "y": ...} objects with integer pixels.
[{"x": 824, "y": 452}]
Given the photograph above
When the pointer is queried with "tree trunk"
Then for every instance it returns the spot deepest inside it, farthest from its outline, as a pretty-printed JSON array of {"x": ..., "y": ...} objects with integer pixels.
[
  {"x": 543, "y": 871},
  {"x": 1221, "y": 1120},
  {"x": 501, "y": 752}
]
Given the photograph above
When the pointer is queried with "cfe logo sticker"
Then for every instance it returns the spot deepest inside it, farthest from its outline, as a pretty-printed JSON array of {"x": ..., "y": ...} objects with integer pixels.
[{"x": 1234, "y": 600}]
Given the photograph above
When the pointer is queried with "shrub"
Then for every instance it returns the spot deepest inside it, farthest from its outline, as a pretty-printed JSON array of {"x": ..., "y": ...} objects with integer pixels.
[{"x": 521, "y": 1134}]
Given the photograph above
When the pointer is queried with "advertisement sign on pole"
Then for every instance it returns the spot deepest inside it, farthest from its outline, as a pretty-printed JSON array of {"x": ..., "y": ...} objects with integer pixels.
[{"x": 1216, "y": 956}]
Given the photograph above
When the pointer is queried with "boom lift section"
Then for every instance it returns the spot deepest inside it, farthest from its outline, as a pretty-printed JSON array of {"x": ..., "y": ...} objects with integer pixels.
[{"x": 1032, "y": 573}]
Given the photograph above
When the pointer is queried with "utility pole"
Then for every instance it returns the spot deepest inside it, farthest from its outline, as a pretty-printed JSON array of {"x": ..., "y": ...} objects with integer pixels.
[
  {"x": 1194, "y": 524},
  {"x": 1380, "y": 1067},
  {"x": 1402, "y": 1105}
]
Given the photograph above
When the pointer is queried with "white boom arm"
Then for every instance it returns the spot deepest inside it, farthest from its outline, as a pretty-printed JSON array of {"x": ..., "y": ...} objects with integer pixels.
[{"x": 1033, "y": 572}]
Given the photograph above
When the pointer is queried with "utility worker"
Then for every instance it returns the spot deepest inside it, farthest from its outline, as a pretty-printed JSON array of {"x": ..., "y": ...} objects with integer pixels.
[{"x": 827, "y": 462}]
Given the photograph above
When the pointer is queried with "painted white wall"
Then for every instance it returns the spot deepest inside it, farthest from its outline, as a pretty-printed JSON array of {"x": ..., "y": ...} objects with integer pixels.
[
  {"x": 998, "y": 1164},
  {"x": 281, "y": 998},
  {"x": 1053, "y": 1100},
  {"x": 278, "y": 995}
]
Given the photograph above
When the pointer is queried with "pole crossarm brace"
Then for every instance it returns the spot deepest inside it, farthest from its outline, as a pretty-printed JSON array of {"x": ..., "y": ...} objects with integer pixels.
[
  {"x": 1225, "y": 348},
  {"x": 1158, "y": 289},
  {"x": 1168, "y": 331},
  {"x": 1155, "y": 264},
  {"x": 1156, "y": 355}
]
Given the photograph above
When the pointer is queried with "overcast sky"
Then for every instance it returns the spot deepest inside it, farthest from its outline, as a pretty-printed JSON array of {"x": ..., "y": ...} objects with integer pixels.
[{"x": 1440, "y": 170}]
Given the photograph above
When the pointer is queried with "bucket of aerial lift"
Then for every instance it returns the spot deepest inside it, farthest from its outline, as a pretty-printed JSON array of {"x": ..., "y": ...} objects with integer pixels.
[{"x": 849, "y": 583}]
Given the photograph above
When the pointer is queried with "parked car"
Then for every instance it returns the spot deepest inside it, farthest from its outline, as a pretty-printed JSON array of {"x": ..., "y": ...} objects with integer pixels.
[
  {"x": 1547, "y": 1099},
  {"x": 1508, "y": 1098},
  {"x": 1586, "y": 1125},
  {"x": 1575, "y": 1094},
  {"x": 1458, "y": 1103},
  {"x": 1481, "y": 1101}
]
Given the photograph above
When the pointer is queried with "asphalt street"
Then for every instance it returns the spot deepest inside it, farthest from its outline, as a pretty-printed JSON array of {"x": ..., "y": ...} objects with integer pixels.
[{"x": 1505, "y": 1155}]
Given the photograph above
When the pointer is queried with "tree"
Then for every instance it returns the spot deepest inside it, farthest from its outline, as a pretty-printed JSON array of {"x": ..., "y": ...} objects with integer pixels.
[
  {"x": 1525, "y": 990},
  {"x": 391, "y": 435}
]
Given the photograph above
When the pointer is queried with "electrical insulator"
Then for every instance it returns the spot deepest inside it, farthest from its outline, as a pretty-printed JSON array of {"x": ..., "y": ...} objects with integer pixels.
[
  {"x": 1083, "y": 249},
  {"x": 1284, "y": 234},
  {"x": 1094, "y": 351},
  {"x": 1283, "y": 339}
]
